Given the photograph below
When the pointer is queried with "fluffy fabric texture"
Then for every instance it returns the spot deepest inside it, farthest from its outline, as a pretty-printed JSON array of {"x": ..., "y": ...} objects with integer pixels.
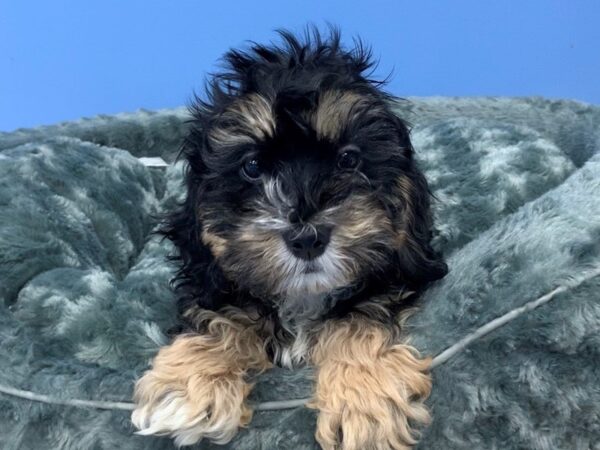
[{"x": 85, "y": 301}]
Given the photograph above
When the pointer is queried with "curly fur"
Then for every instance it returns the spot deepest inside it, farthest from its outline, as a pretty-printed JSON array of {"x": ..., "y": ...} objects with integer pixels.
[{"x": 295, "y": 111}]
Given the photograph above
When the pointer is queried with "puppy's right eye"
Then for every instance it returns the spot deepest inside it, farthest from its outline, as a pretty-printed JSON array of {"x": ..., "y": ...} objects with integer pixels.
[
  {"x": 350, "y": 159},
  {"x": 251, "y": 169}
]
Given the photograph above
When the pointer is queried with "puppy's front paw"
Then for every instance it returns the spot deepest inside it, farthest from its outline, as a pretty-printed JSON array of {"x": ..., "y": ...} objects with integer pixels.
[
  {"x": 191, "y": 399},
  {"x": 204, "y": 407},
  {"x": 371, "y": 403}
]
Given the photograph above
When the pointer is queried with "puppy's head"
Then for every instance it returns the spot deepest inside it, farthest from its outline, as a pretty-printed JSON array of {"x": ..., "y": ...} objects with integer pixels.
[{"x": 301, "y": 180}]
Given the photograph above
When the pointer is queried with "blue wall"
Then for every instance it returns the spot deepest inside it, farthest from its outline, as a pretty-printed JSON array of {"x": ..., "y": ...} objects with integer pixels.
[{"x": 65, "y": 59}]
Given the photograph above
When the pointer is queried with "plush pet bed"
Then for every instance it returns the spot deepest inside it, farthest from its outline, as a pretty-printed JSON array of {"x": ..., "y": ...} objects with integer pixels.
[{"x": 85, "y": 300}]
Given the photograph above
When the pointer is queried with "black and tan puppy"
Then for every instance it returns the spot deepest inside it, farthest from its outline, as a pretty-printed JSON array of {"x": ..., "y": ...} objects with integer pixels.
[{"x": 303, "y": 238}]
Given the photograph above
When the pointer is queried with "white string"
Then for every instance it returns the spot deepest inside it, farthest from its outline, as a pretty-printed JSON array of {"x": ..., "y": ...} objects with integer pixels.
[
  {"x": 67, "y": 402},
  {"x": 511, "y": 315},
  {"x": 289, "y": 404}
]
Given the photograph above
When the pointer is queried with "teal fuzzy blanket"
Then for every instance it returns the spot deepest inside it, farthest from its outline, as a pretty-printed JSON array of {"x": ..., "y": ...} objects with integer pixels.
[{"x": 85, "y": 299}]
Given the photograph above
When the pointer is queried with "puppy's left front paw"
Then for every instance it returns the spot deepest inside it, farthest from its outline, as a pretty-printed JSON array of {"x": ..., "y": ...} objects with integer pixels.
[{"x": 371, "y": 404}]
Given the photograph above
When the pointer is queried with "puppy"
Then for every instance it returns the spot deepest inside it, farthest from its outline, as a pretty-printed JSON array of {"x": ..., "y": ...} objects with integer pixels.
[{"x": 304, "y": 237}]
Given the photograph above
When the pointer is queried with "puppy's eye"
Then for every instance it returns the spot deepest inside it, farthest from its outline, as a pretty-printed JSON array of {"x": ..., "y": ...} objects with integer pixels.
[
  {"x": 251, "y": 169},
  {"x": 349, "y": 159}
]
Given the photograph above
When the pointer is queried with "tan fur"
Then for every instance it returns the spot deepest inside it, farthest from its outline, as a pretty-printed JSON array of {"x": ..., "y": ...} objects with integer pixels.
[
  {"x": 404, "y": 238},
  {"x": 361, "y": 223},
  {"x": 336, "y": 110},
  {"x": 266, "y": 245},
  {"x": 405, "y": 191},
  {"x": 369, "y": 389},
  {"x": 361, "y": 216},
  {"x": 253, "y": 116},
  {"x": 216, "y": 244},
  {"x": 196, "y": 387}
]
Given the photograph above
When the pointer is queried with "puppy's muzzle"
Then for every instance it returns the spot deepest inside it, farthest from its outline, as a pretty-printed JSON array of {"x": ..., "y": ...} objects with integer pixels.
[{"x": 309, "y": 243}]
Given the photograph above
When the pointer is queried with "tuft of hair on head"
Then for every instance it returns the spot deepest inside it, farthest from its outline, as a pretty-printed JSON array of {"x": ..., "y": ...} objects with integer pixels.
[{"x": 262, "y": 67}]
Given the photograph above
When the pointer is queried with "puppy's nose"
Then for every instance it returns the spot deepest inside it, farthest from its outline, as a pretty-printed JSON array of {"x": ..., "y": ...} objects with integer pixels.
[{"x": 308, "y": 244}]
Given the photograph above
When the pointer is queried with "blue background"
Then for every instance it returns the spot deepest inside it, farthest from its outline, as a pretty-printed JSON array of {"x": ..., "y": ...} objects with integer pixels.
[{"x": 61, "y": 60}]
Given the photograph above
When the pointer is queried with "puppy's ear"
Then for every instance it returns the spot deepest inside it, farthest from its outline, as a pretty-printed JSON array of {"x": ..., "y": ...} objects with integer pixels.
[
  {"x": 419, "y": 263},
  {"x": 199, "y": 280}
]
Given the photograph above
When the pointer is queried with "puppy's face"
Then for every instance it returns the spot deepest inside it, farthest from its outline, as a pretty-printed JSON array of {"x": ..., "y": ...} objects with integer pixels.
[
  {"x": 301, "y": 180},
  {"x": 305, "y": 193}
]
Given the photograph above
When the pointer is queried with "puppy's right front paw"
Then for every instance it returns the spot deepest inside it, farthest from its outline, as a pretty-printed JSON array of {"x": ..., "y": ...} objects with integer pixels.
[
  {"x": 190, "y": 410},
  {"x": 190, "y": 398}
]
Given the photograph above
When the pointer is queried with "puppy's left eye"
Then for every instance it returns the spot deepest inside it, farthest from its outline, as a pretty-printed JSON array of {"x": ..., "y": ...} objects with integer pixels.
[
  {"x": 349, "y": 159},
  {"x": 251, "y": 169}
]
